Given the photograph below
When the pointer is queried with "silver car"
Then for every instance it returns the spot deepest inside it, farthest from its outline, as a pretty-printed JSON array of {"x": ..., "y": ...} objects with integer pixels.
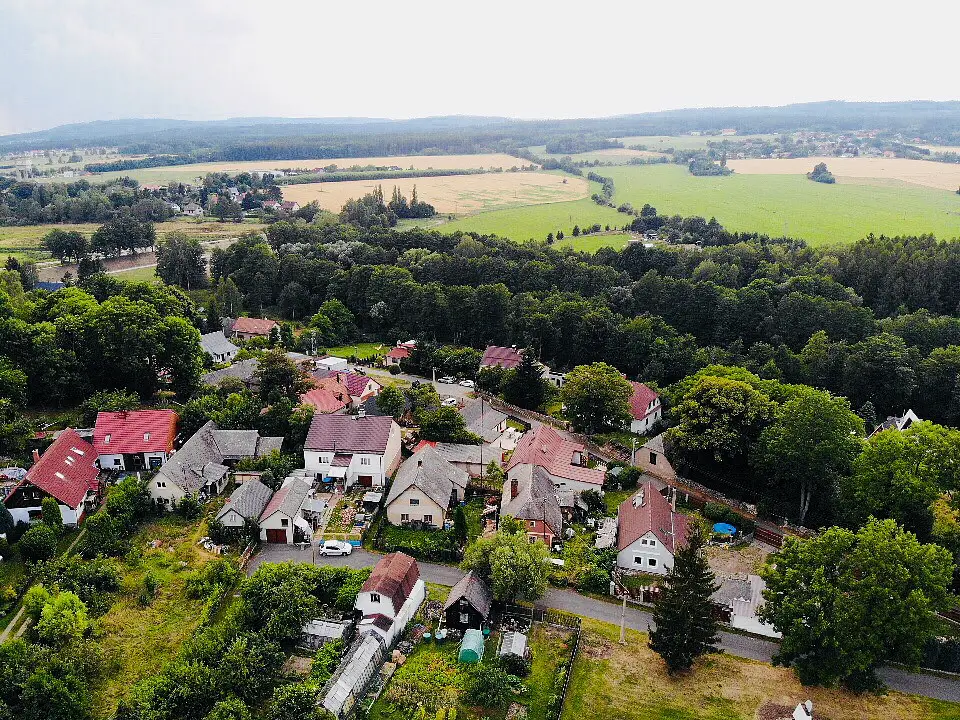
[
  {"x": 466, "y": 383},
  {"x": 334, "y": 547}
]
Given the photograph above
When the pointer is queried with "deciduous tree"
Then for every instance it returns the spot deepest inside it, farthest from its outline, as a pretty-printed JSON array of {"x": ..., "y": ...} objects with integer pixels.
[{"x": 596, "y": 396}]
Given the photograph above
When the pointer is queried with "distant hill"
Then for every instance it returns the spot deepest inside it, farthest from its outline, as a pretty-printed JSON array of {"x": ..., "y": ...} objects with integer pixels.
[{"x": 258, "y": 138}]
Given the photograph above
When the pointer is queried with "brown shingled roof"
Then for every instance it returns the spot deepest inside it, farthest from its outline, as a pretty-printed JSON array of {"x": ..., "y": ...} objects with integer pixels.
[
  {"x": 654, "y": 514},
  {"x": 349, "y": 433},
  {"x": 394, "y": 577}
]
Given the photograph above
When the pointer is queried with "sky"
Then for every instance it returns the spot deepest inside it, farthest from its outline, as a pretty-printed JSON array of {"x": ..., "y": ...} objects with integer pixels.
[{"x": 81, "y": 60}]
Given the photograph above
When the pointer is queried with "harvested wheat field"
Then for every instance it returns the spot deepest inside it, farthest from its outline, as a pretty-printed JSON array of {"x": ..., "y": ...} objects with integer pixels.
[
  {"x": 631, "y": 683},
  {"x": 942, "y": 176},
  {"x": 457, "y": 194}
]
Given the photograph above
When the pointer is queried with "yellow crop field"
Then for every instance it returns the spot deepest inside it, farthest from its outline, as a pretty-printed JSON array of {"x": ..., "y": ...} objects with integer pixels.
[
  {"x": 456, "y": 194},
  {"x": 942, "y": 176}
]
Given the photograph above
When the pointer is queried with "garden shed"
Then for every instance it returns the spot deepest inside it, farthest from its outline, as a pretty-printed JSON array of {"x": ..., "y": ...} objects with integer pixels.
[
  {"x": 468, "y": 604},
  {"x": 471, "y": 649}
]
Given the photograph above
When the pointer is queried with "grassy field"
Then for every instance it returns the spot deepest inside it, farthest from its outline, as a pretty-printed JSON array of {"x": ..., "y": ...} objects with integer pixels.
[
  {"x": 146, "y": 274},
  {"x": 25, "y": 241},
  {"x": 656, "y": 143},
  {"x": 592, "y": 243},
  {"x": 190, "y": 173},
  {"x": 536, "y": 221},
  {"x": 792, "y": 205},
  {"x": 630, "y": 683},
  {"x": 453, "y": 193},
  {"x": 363, "y": 350},
  {"x": 607, "y": 156},
  {"x": 136, "y": 639}
]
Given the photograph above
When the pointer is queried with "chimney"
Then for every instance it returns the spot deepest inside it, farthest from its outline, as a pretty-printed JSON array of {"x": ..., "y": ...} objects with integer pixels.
[
  {"x": 419, "y": 462},
  {"x": 638, "y": 499},
  {"x": 36, "y": 455},
  {"x": 514, "y": 488}
]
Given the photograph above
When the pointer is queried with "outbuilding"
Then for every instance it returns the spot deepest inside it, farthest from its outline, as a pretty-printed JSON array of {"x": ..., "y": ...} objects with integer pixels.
[
  {"x": 468, "y": 604},
  {"x": 471, "y": 649}
]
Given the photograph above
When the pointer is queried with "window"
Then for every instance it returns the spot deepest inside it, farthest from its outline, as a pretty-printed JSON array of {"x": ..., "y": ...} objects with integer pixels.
[
  {"x": 106, "y": 439},
  {"x": 652, "y": 542},
  {"x": 404, "y": 517},
  {"x": 652, "y": 562},
  {"x": 118, "y": 461},
  {"x": 414, "y": 501},
  {"x": 428, "y": 519},
  {"x": 464, "y": 618},
  {"x": 324, "y": 458},
  {"x": 374, "y": 597},
  {"x": 637, "y": 560},
  {"x": 653, "y": 458},
  {"x": 284, "y": 522},
  {"x": 146, "y": 436},
  {"x": 364, "y": 461},
  {"x": 533, "y": 523},
  {"x": 161, "y": 484}
]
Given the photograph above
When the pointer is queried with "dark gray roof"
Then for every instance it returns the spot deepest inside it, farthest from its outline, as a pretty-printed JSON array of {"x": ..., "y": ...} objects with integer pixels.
[
  {"x": 243, "y": 370},
  {"x": 455, "y": 452},
  {"x": 236, "y": 444},
  {"x": 216, "y": 343},
  {"x": 288, "y": 499},
  {"x": 248, "y": 500},
  {"x": 475, "y": 590},
  {"x": 482, "y": 419},
  {"x": 732, "y": 588},
  {"x": 200, "y": 460},
  {"x": 536, "y": 497},
  {"x": 430, "y": 473}
]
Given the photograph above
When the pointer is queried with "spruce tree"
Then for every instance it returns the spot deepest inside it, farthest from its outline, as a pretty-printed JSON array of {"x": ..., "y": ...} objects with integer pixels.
[{"x": 683, "y": 613}]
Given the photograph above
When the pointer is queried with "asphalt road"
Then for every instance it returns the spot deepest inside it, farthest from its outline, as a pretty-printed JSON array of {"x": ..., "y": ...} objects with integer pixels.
[
  {"x": 443, "y": 390},
  {"x": 745, "y": 646}
]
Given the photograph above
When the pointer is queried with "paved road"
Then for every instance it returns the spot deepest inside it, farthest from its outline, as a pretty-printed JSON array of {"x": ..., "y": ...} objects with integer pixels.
[
  {"x": 443, "y": 390},
  {"x": 745, "y": 646}
]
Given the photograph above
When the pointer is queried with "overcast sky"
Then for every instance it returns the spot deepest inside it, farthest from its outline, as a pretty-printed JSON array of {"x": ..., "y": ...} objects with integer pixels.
[{"x": 80, "y": 60}]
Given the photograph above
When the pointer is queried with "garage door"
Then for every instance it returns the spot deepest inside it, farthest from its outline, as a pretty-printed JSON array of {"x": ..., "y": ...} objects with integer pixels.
[
  {"x": 276, "y": 535},
  {"x": 365, "y": 480}
]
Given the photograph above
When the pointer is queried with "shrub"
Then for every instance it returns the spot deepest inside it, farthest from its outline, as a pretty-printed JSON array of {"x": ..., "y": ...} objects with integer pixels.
[
  {"x": 394, "y": 370},
  {"x": 515, "y": 665},
  {"x": 38, "y": 543},
  {"x": 52, "y": 516}
]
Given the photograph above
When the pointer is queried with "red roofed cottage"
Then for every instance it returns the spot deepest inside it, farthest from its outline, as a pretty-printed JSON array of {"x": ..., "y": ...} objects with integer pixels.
[
  {"x": 564, "y": 459},
  {"x": 649, "y": 532},
  {"x": 393, "y": 592},
  {"x": 645, "y": 408},
  {"x": 247, "y": 327},
  {"x": 67, "y": 471},
  {"x": 134, "y": 440},
  {"x": 497, "y": 356}
]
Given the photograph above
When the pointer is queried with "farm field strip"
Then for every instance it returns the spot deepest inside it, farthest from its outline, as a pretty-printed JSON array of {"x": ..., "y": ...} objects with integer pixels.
[
  {"x": 685, "y": 142},
  {"x": 452, "y": 194},
  {"x": 924, "y": 173}
]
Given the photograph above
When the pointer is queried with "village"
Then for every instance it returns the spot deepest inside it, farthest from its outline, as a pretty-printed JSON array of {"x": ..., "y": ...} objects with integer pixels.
[{"x": 370, "y": 491}]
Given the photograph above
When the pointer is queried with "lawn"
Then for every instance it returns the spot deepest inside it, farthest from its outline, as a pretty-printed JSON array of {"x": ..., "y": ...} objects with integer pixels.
[
  {"x": 614, "y": 498},
  {"x": 135, "y": 639},
  {"x": 791, "y": 204},
  {"x": 630, "y": 683},
  {"x": 592, "y": 243},
  {"x": 364, "y": 350},
  {"x": 145, "y": 274},
  {"x": 535, "y": 221}
]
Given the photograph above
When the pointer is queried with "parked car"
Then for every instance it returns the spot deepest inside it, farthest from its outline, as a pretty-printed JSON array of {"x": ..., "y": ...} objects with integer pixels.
[
  {"x": 447, "y": 380},
  {"x": 359, "y": 370},
  {"x": 449, "y": 402},
  {"x": 334, "y": 547},
  {"x": 466, "y": 383}
]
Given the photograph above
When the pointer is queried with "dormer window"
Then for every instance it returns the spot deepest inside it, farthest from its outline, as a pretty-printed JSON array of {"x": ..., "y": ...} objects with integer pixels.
[
  {"x": 375, "y": 597},
  {"x": 106, "y": 440}
]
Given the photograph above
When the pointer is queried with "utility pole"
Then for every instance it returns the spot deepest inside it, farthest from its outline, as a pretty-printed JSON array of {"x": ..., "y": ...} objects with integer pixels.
[
  {"x": 623, "y": 621},
  {"x": 633, "y": 453}
]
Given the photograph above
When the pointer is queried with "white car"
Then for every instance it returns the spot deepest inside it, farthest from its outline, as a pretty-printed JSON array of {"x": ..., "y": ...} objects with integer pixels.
[
  {"x": 334, "y": 547},
  {"x": 447, "y": 380},
  {"x": 449, "y": 402},
  {"x": 466, "y": 383}
]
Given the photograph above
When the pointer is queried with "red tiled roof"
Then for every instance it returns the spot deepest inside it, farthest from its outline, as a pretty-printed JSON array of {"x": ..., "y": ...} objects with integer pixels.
[
  {"x": 354, "y": 382},
  {"x": 253, "y": 326},
  {"x": 394, "y": 577},
  {"x": 67, "y": 470},
  {"x": 399, "y": 353},
  {"x": 423, "y": 444},
  {"x": 326, "y": 400},
  {"x": 505, "y": 357},
  {"x": 347, "y": 433},
  {"x": 275, "y": 502},
  {"x": 653, "y": 515},
  {"x": 553, "y": 452},
  {"x": 640, "y": 400},
  {"x": 135, "y": 431}
]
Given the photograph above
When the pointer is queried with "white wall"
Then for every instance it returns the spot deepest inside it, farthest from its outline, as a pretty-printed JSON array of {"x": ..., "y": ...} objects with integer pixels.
[
  {"x": 366, "y": 606},
  {"x": 232, "y": 518},
  {"x": 275, "y": 522},
  {"x": 401, "y": 505},
  {"x": 646, "y": 548},
  {"x": 164, "y": 491},
  {"x": 642, "y": 426},
  {"x": 109, "y": 462}
]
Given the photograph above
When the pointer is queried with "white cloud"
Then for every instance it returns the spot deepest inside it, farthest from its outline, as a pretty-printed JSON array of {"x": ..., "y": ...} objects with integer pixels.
[{"x": 204, "y": 59}]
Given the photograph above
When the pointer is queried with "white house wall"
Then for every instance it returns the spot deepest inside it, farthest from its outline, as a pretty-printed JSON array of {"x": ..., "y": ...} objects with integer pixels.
[
  {"x": 641, "y": 549},
  {"x": 275, "y": 522},
  {"x": 426, "y": 506}
]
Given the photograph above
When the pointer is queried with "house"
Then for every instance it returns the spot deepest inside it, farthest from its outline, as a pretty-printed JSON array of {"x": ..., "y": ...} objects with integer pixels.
[
  {"x": 174, "y": 208},
  {"x": 651, "y": 457},
  {"x": 134, "y": 439},
  {"x": 897, "y": 422},
  {"x": 645, "y": 408},
  {"x": 483, "y": 420},
  {"x": 246, "y": 328},
  {"x": 326, "y": 399},
  {"x": 424, "y": 489},
  {"x": 399, "y": 353},
  {"x": 67, "y": 472},
  {"x": 649, "y": 532},
  {"x": 563, "y": 458},
  {"x": 245, "y": 371},
  {"x": 352, "y": 449},
  {"x": 529, "y": 496},
  {"x": 245, "y": 504},
  {"x": 472, "y": 459},
  {"x": 503, "y": 357},
  {"x": 468, "y": 604},
  {"x": 316, "y": 633},
  {"x": 283, "y": 515},
  {"x": 202, "y": 466},
  {"x": 360, "y": 387},
  {"x": 192, "y": 210},
  {"x": 553, "y": 377},
  {"x": 217, "y": 346},
  {"x": 390, "y": 597},
  {"x": 290, "y": 206},
  {"x": 271, "y": 205},
  {"x": 330, "y": 363}
]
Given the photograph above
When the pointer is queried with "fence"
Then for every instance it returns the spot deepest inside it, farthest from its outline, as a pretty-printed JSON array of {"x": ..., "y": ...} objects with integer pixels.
[{"x": 247, "y": 553}]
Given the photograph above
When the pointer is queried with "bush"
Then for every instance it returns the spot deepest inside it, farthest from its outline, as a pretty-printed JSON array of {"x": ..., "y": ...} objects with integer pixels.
[
  {"x": 717, "y": 513},
  {"x": 52, "y": 517},
  {"x": 516, "y": 665},
  {"x": 189, "y": 507},
  {"x": 394, "y": 370},
  {"x": 38, "y": 543}
]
